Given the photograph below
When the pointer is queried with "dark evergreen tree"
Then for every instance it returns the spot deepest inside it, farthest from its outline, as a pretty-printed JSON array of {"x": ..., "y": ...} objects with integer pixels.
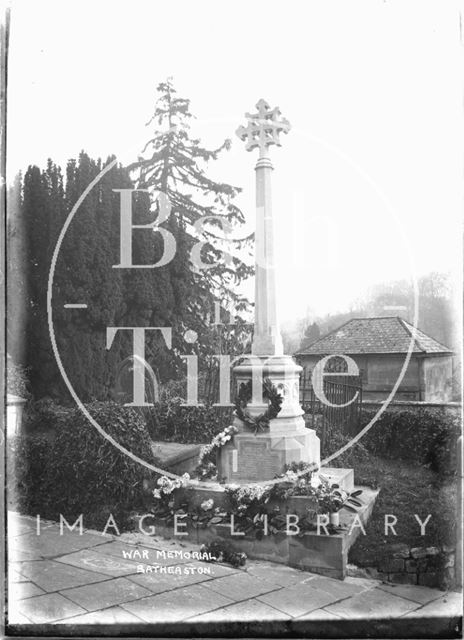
[
  {"x": 177, "y": 295},
  {"x": 175, "y": 164},
  {"x": 43, "y": 214},
  {"x": 17, "y": 275},
  {"x": 85, "y": 274}
]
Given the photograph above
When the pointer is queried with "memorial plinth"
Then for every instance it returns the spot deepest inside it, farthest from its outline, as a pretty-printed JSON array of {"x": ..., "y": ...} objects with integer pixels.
[{"x": 251, "y": 457}]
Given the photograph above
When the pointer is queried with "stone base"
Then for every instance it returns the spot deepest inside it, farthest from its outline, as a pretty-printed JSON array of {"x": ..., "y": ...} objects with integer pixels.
[
  {"x": 311, "y": 551},
  {"x": 255, "y": 458},
  {"x": 337, "y": 475}
]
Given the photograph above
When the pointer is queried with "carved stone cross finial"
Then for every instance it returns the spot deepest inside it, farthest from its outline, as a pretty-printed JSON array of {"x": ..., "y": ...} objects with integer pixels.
[{"x": 263, "y": 128}]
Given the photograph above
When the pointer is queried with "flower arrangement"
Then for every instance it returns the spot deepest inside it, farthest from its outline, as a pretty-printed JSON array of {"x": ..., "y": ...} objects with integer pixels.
[
  {"x": 167, "y": 486},
  {"x": 221, "y": 551},
  {"x": 246, "y": 497},
  {"x": 298, "y": 479},
  {"x": 206, "y": 468},
  {"x": 218, "y": 441},
  {"x": 255, "y": 507}
]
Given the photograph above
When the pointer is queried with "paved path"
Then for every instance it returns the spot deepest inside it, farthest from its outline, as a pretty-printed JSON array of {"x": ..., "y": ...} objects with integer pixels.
[{"x": 86, "y": 579}]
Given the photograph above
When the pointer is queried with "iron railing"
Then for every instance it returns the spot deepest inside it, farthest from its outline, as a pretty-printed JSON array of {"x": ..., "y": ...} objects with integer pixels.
[{"x": 339, "y": 409}]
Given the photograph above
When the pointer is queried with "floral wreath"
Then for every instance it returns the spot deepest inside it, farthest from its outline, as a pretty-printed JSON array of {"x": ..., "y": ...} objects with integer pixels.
[{"x": 261, "y": 422}]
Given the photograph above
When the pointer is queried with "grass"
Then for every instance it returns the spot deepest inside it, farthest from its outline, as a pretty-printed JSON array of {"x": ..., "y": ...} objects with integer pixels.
[{"x": 405, "y": 489}]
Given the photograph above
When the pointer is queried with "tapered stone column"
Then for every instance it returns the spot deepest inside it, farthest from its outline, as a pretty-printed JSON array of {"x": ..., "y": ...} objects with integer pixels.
[
  {"x": 251, "y": 457},
  {"x": 267, "y": 339}
]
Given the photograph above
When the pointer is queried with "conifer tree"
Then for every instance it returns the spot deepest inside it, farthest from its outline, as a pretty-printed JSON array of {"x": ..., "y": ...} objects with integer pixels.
[
  {"x": 177, "y": 295},
  {"x": 17, "y": 275},
  {"x": 43, "y": 213},
  {"x": 174, "y": 163},
  {"x": 84, "y": 274}
]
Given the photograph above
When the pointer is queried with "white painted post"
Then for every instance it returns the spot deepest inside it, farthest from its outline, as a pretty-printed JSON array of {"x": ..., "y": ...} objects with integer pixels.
[{"x": 14, "y": 414}]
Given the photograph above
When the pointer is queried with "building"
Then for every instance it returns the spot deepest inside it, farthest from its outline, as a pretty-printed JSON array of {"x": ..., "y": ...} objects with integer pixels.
[{"x": 379, "y": 347}]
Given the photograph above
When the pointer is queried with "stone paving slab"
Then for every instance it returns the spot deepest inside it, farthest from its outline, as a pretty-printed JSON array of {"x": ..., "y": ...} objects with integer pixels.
[
  {"x": 97, "y": 585},
  {"x": 20, "y": 526},
  {"x": 102, "y": 595},
  {"x": 14, "y": 575},
  {"x": 173, "y": 606},
  {"x": 319, "y": 614},
  {"x": 157, "y": 542},
  {"x": 158, "y": 582},
  {"x": 278, "y": 573},
  {"x": 22, "y": 590},
  {"x": 145, "y": 555},
  {"x": 48, "y": 608},
  {"x": 449, "y": 605},
  {"x": 14, "y": 617},
  {"x": 90, "y": 560},
  {"x": 297, "y": 599},
  {"x": 421, "y": 595},
  {"x": 19, "y": 555},
  {"x": 54, "y": 576},
  {"x": 375, "y": 603},
  {"x": 246, "y": 611},
  {"x": 337, "y": 588},
  {"x": 218, "y": 570},
  {"x": 50, "y": 543},
  {"x": 241, "y": 586},
  {"x": 113, "y": 615}
]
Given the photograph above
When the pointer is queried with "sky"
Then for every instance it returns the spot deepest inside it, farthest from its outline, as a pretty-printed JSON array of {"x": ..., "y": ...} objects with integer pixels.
[{"x": 367, "y": 185}]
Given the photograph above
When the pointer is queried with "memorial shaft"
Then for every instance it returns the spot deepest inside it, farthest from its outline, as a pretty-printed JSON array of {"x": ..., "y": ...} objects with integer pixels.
[{"x": 267, "y": 340}]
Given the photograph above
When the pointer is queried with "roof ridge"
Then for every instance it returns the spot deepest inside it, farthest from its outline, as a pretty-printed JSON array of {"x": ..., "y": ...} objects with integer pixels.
[
  {"x": 426, "y": 335},
  {"x": 404, "y": 324},
  {"x": 375, "y": 318}
]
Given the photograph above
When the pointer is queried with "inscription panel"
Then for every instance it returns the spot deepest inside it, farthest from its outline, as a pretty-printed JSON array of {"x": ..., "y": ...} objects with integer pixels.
[{"x": 255, "y": 461}]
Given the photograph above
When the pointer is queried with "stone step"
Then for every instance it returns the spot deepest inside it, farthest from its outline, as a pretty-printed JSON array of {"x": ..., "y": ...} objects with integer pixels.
[
  {"x": 343, "y": 477},
  {"x": 175, "y": 457}
]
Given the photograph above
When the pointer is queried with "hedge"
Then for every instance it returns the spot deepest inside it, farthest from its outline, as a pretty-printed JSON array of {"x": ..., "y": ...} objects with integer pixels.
[
  {"x": 170, "y": 421},
  {"x": 418, "y": 435},
  {"x": 73, "y": 469}
]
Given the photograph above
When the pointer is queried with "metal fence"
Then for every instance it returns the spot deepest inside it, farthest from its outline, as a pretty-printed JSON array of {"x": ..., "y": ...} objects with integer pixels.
[{"x": 341, "y": 408}]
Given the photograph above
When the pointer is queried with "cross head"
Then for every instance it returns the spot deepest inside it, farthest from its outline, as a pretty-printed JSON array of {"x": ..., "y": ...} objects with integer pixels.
[{"x": 263, "y": 128}]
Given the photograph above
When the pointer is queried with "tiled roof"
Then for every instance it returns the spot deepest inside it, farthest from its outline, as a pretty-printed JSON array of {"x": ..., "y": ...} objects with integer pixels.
[{"x": 373, "y": 335}]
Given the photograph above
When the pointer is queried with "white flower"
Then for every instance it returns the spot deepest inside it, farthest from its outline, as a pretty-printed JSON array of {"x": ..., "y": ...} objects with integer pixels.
[
  {"x": 157, "y": 494},
  {"x": 315, "y": 481},
  {"x": 207, "y": 504},
  {"x": 185, "y": 479},
  {"x": 291, "y": 476}
]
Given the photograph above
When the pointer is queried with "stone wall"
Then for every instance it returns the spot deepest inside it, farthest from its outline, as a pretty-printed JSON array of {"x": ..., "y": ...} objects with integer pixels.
[
  {"x": 440, "y": 408},
  {"x": 383, "y": 372},
  {"x": 426, "y": 566},
  {"x": 437, "y": 378}
]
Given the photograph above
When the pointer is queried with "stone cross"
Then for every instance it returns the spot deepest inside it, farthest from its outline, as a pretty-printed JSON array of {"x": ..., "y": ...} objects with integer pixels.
[
  {"x": 252, "y": 457},
  {"x": 263, "y": 130}
]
